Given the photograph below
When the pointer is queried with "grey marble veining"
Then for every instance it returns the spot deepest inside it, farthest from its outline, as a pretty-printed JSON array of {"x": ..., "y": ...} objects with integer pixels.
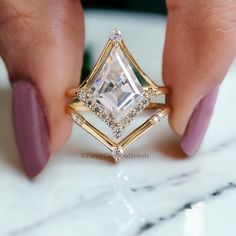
[{"x": 164, "y": 194}]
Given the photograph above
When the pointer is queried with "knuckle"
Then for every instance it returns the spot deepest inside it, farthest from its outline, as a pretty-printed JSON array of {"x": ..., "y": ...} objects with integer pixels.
[{"x": 216, "y": 16}]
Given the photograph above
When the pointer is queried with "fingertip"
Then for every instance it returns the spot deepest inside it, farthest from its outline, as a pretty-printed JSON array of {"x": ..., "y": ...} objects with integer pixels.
[
  {"x": 60, "y": 133},
  {"x": 175, "y": 126}
]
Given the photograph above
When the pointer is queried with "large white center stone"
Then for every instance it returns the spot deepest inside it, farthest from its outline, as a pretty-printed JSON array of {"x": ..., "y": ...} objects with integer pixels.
[{"x": 116, "y": 86}]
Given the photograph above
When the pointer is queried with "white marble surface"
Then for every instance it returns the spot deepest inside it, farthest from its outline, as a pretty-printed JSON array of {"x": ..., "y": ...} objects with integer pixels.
[{"x": 162, "y": 195}]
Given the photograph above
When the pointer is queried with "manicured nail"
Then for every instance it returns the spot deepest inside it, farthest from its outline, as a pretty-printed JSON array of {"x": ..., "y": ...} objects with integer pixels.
[
  {"x": 31, "y": 129},
  {"x": 199, "y": 122}
]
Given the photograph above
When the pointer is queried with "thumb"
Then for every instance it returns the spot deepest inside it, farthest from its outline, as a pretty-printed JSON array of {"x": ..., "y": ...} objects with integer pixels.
[
  {"x": 199, "y": 49},
  {"x": 42, "y": 46}
]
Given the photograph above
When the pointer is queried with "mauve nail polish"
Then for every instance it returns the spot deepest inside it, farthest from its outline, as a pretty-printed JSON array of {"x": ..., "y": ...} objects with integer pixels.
[
  {"x": 199, "y": 122},
  {"x": 31, "y": 129}
]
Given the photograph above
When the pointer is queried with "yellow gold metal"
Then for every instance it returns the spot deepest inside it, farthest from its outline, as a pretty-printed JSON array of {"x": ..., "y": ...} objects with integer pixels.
[
  {"x": 108, "y": 47},
  {"x": 79, "y": 106},
  {"x": 72, "y": 93},
  {"x": 103, "y": 57},
  {"x": 138, "y": 132},
  {"x": 129, "y": 139},
  {"x": 92, "y": 130},
  {"x": 75, "y": 108}
]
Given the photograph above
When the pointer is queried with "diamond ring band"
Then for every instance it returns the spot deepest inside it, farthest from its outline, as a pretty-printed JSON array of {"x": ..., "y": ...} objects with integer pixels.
[{"x": 117, "y": 91}]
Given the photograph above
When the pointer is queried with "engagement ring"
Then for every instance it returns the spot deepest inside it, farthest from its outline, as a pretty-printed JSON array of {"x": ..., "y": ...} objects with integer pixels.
[{"x": 117, "y": 91}]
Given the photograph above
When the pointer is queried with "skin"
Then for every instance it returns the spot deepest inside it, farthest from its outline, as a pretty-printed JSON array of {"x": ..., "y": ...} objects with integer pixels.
[{"x": 199, "y": 49}]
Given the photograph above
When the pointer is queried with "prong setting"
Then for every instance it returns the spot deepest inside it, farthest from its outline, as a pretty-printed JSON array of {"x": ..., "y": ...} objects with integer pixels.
[
  {"x": 114, "y": 94},
  {"x": 116, "y": 35}
]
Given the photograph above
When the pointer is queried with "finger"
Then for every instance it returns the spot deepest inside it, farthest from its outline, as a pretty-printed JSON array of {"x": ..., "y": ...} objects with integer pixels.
[
  {"x": 42, "y": 46},
  {"x": 199, "y": 49}
]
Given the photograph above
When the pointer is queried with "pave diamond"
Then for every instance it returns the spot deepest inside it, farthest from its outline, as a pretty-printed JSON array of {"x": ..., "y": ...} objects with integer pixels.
[{"x": 116, "y": 87}]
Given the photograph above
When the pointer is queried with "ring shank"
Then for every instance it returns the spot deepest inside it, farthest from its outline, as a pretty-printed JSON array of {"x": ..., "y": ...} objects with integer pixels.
[
  {"x": 73, "y": 93},
  {"x": 79, "y": 106}
]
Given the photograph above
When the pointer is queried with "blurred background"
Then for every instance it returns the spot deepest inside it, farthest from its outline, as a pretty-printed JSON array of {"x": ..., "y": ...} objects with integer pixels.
[
  {"x": 118, "y": 8},
  {"x": 153, "y": 6}
]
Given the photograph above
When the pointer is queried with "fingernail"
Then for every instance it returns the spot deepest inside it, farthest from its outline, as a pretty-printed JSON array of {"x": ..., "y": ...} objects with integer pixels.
[
  {"x": 199, "y": 122},
  {"x": 31, "y": 129}
]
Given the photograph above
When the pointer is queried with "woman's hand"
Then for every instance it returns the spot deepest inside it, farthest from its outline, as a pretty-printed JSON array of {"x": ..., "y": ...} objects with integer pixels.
[
  {"x": 41, "y": 43},
  {"x": 199, "y": 49}
]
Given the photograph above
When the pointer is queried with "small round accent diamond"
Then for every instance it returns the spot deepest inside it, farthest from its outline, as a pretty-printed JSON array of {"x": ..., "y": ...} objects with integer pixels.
[
  {"x": 89, "y": 94},
  {"x": 117, "y": 131},
  {"x": 82, "y": 95},
  {"x": 154, "y": 119},
  {"x": 78, "y": 119},
  {"x": 161, "y": 115},
  {"x": 89, "y": 103},
  {"x": 116, "y": 35},
  {"x": 104, "y": 116},
  {"x": 74, "y": 117},
  {"x": 117, "y": 153}
]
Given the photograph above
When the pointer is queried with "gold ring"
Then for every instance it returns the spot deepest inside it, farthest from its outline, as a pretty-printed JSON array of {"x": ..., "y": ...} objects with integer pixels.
[{"x": 116, "y": 91}]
